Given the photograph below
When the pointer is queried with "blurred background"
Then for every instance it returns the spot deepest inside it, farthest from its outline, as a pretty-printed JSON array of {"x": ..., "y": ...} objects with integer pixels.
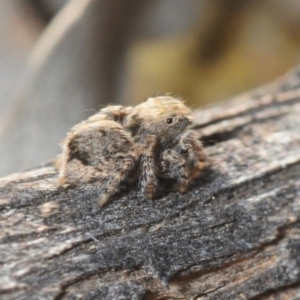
[{"x": 60, "y": 60}]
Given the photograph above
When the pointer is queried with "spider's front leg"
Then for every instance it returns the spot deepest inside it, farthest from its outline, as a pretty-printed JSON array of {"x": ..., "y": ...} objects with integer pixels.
[
  {"x": 174, "y": 166},
  {"x": 192, "y": 148},
  {"x": 185, "y": 161},
  {"x": 147, "y": 179}
]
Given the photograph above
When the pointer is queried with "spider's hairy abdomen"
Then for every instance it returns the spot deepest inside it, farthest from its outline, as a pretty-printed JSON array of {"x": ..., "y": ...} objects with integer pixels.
[{"x": 100, "y": 144}]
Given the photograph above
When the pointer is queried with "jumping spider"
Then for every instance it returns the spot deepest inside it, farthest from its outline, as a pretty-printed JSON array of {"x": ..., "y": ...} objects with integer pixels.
[{"x": 150, "y": 139}]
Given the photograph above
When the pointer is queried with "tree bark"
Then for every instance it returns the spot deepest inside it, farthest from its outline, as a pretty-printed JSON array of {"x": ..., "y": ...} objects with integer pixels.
[{"x": 234, "y": 235}]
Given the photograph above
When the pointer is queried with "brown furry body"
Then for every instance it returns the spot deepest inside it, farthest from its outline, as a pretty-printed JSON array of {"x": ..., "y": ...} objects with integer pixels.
[{"x": 150, "y": 137}]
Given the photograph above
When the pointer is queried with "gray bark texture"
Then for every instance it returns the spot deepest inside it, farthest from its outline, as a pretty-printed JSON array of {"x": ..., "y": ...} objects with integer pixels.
[{"x": 234, "y": 235}]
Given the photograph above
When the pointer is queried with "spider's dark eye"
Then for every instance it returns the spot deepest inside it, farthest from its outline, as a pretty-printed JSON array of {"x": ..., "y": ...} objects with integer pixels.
[{"x": 169, "y": 121}]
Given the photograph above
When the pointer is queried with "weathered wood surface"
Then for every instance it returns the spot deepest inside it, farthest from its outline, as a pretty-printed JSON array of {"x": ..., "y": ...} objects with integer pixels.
[{"x": 235, "y": 235}]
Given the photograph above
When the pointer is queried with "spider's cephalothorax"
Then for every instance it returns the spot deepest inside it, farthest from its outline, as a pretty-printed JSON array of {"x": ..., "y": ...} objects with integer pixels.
[
  {"x": 164, "y": 117},
  {"x": 151, "y": 137}
]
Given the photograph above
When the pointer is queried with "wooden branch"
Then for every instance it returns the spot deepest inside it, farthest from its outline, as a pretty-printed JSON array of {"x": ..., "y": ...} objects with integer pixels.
[{"x": 235, "y": 235}]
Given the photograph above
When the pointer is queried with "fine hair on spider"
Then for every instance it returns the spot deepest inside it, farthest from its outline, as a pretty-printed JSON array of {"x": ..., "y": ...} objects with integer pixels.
[{"x": 150, "y": 139}]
